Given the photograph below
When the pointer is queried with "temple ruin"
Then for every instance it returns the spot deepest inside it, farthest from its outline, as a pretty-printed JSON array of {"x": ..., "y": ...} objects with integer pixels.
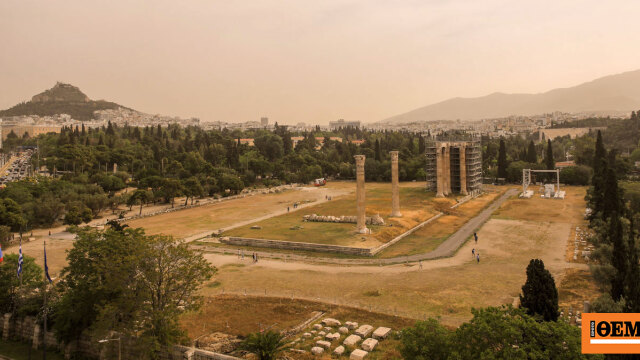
[{"x": 454, "y": 167}]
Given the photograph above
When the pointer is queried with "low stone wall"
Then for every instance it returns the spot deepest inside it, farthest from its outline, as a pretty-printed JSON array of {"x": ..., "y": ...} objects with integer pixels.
[{"x": 292, "y": 245}]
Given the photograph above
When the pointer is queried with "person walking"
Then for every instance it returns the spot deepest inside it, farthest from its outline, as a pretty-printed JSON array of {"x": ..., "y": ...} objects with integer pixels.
[
  {"x": 478, "y": 257},
  {"x": 287, "y": 209},
  {"x": 476, "y": 237},
  {"x": 473, "y": 252}
]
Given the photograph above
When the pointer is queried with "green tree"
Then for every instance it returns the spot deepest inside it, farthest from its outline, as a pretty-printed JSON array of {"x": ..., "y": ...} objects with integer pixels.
[
  {"x": 539, "y": 292},
  {"x": 192, "y": 188},
  {"x": 270, "y": 145},
  {"x": 155, "y": 280},
  {"x": 138, "y": 197},
  {"x": 426, "y": 340},
  {"x": 596, "y": 199},
  {"x": 502, "y": 160},
  {"x": 11, "y": 215},
  {"x": 265, "y": 345},
  {"x": 10, "y": 291},
  {"x": 532, "y": 156},
  {"x": 548, "y": 160}
]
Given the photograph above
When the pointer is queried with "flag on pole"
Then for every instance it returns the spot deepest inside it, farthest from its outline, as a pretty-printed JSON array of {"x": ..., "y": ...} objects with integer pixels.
[
  {"x": 46, "y": 268},
  {"x": 20, "y": 259},
  {"x": 1, "y": 256}
]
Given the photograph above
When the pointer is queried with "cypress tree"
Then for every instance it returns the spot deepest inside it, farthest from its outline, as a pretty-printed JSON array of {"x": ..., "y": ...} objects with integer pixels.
[
  {"x": 599, "y": 176},
  {"x": 632, "y": 285},
  {"x": 549, "y": 158},
  {"x": 532, "y": 157},
  {"x": 618, "y": 258},
  {"x": 422, "y": 147},
  {"x": 611, "y": 197},
  {"x": 502, "y": 160},
  {"x": 378, "y": 152},
  {"x": 539, "y": 293}
]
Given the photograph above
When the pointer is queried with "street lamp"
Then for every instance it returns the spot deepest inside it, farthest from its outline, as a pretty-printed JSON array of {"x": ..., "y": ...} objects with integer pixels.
[{"x": 114, "y": 339}]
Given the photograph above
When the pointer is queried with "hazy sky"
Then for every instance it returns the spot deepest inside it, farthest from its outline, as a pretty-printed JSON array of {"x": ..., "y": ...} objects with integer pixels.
[{"x": 311, "y": 61}]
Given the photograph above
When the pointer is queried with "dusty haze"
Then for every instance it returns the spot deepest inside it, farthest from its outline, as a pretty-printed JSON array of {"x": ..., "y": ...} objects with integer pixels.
[{"x": 308, "y": 61}]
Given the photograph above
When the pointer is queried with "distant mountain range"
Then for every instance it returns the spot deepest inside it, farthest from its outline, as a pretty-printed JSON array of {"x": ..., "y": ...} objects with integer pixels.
[
  {"x": 619, "y": 92},
  {"x": 61, "y": 99}
]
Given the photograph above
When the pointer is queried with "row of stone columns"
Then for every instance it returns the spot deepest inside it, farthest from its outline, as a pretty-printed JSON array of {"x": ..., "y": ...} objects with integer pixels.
[
  {"x": 443, "y": 170},
  {"x": 361, "y": 220}
]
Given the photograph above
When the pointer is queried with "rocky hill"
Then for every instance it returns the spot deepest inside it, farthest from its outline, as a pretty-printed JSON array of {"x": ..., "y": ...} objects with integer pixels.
[
  {"x": 60, "y": 99},
  {"x": 620, "y": 92}
]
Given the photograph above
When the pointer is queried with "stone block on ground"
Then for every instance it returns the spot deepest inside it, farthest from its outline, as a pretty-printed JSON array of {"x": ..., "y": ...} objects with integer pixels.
[
  {"x": 307, "y": 335},
  {"x": 351, "y": 325},
  {"x": 351, "y": 340},
  {"x": 343, "y": 330},
  {"x": 332, "y": 337},
  {"x": 317, "y": 327},
  {"x": 331, "y": 322},
  {"x": 364, "y": 331},
  {"x": 358, "y": 354},
  {"x": 339, "y": 350},
  {"x": 317, "y": 350},
  {"x": 381, "y": 333},
  {"x": 369, "y": 344},
  {"x": 323, "y": 344},
  {"x": 327, "y": 329},
  {"x": 322, "y": 333}
]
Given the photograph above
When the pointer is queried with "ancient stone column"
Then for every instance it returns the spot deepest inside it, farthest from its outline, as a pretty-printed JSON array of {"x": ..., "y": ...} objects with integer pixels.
[
  {"x": 463, "y": 170},
  {"x": 447, "y": 170},
  {"x": 395, "y": 186},
  {"x": 361, "y": 221},
  {"x": 439, "y": 172}
]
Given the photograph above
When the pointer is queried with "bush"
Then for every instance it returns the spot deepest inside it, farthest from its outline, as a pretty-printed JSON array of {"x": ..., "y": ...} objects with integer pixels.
[{"x": 576, "y": 175}]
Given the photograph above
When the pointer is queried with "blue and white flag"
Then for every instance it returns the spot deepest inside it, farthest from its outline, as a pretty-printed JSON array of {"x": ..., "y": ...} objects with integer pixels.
[
  {"x": 46, "y": 268},
  {"x": 20, "y": 259}
]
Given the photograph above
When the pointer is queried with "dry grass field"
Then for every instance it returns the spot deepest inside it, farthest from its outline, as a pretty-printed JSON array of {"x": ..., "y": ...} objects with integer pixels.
[
  {"x": 239, "y": 316},
  {"x": 446, "y": 288},
  {"x": 211, "y": 217},
  {"x": 429, "y": 237},
  {"x": 569, "y": 210},
  {"x": 417, "y": 205}
]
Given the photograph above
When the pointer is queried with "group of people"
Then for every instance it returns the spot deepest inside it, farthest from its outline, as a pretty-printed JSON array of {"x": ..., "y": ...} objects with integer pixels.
[
  {"x": 241, "y": 255},
  {"x": 295, "y": 206},
  {"x": 475, "y": 253}
]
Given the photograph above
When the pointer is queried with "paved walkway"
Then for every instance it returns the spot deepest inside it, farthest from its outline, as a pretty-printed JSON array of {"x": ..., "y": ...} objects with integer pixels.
[{"x": 446, "y": 249}]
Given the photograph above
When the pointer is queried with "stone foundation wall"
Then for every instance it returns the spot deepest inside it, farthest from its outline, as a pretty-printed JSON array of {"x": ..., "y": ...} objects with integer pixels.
[{"x": 292, "y": 245}]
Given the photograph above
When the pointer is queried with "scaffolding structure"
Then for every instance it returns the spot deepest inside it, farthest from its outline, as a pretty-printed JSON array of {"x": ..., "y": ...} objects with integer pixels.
[{"x": 454, "y": 166}]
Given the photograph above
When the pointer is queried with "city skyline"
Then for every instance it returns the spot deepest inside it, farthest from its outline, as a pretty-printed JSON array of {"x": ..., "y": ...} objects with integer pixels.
[{"x": 299, "y": 62}]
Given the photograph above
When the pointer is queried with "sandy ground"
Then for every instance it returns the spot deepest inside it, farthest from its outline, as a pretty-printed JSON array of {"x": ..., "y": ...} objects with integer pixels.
[{"x": 444, "y": 287}]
